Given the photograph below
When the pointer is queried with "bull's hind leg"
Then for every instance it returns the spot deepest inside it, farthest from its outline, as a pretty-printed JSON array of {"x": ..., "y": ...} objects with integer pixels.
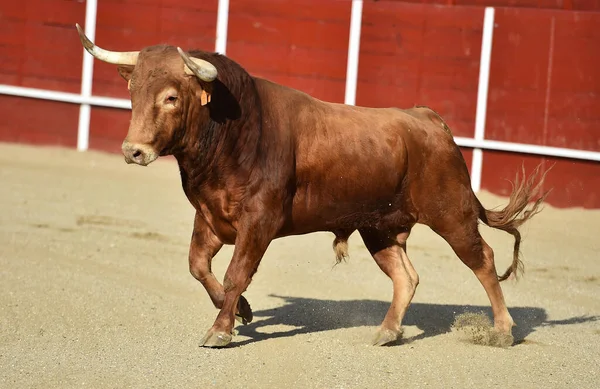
[
  {"x": 466, "y": 241},
  {"x": 389, "y": 252}
]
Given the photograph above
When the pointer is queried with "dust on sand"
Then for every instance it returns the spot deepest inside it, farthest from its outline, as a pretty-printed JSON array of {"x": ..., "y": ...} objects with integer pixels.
[
  {"x": 95, "y": 291},
  {"x": 479, "y": 330}
]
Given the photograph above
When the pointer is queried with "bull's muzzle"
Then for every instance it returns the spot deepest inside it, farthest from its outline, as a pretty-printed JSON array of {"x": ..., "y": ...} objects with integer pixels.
[{"x": 138, "y": 153}]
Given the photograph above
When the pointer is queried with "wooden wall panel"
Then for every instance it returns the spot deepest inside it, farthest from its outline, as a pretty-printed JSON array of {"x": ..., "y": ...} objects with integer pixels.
[
  {"x": 518, "y": 77},
  {"x": 544, "y": 88},
  {"x": 545, "y": 80},
  {"x": 108, "y": 128},
  {"x": 574, "y": 94},
  {"x": 130, "y": 25},
  {"x": 35, "y": 121},
  {"x": 39, "y": 47},
  {"x": 586, "y": 5},
  {"x": 301, "y": 43},
  {"x": 574, "y": 5},
  {"x": 413, "y": 54},
  {"x": 574, "y": 183}
]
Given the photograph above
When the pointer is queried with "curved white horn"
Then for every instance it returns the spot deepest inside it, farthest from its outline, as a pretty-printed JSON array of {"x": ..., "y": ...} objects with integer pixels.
[
  {"x": 114, "y": 57},
  {"x": 200, "y": 68}
]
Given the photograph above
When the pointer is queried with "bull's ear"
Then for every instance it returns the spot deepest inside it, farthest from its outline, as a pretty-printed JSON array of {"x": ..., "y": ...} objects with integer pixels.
[{"x": 125, "y": 71}]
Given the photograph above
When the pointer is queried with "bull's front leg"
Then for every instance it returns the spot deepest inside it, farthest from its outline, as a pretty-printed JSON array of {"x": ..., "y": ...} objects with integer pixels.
[
  {"x": 253, "y": 238},
  {"x": 203, "y": 247}
]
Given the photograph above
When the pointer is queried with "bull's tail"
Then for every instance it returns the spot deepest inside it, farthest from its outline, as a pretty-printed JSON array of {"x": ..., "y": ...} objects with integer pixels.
[{"x": 517, "y": 211}]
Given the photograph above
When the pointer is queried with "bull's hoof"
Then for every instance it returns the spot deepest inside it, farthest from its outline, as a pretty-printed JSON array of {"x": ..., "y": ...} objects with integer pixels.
[
  {"x": 244, "y": 312},
  {"x": 215, "y": 339},
  {"x": 385, "y": 336}
]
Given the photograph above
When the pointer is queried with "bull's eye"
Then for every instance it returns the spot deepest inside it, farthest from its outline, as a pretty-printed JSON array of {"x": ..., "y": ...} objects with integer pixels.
[{"x": 171, "y": 99}]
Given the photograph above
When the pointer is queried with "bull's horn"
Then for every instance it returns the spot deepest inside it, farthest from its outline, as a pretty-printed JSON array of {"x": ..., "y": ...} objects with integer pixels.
[
  {"x": 114, "y": 57},
  {"x": 200, "y": 68}
]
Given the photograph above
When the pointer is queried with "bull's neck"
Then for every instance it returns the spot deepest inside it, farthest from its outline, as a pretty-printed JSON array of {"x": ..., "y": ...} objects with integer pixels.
[{"x": 226, "y": 144}]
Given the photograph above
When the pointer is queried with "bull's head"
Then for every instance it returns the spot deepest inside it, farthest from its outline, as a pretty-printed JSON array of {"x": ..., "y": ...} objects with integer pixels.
[{"x": 161, "y": 80}]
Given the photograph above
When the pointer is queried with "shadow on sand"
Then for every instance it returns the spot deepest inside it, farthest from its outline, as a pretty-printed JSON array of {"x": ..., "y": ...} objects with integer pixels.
[{"x": 312, "y": 315}]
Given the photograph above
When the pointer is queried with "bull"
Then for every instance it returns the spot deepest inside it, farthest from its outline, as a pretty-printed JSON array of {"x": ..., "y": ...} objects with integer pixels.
[{"x": 261, "y": 161}]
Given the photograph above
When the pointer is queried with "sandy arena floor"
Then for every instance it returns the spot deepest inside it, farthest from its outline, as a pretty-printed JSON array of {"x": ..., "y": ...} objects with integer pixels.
[{"x": 95, "y": 292}]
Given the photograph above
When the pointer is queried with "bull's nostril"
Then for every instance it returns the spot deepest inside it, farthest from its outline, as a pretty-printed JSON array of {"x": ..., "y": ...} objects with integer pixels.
[{"x": 137, "y": 153}]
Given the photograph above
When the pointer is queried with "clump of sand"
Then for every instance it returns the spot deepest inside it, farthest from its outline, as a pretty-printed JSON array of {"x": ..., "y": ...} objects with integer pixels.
[{"x": 478, "y": 329}]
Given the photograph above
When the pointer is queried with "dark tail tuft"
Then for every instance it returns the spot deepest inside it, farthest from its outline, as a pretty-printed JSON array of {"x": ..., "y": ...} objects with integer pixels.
[
  {"x": 517, "y": 211},
  {"x": 340, "y": 245}
]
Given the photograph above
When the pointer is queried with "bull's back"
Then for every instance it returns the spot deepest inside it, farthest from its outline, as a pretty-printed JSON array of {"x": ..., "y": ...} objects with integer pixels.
[{"x": 352, "y": 164}]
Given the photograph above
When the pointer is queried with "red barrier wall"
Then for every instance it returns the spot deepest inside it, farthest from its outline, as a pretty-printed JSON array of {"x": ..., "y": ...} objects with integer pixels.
[
  {"x": 544, "y": 83},
  {"x": 37, "y": 50},
  {"x": 299, "y": 43},
  {"x": 544, "y": 90},
  {"x": 570, "y": 5}
]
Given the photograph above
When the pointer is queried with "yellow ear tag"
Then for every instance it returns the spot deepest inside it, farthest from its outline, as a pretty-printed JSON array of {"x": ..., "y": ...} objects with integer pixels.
[
  {"x": 204, "y": 97},
  {"x": 129, "y": 84}
]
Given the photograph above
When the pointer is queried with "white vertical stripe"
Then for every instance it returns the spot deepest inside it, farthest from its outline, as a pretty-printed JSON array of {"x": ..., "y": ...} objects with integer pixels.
[
  {"x": 353, "y": 51},
  {"x": 482, "y": 95},
  {"x": 83, "y": 128},
  {"x": 222, "y": 20}
]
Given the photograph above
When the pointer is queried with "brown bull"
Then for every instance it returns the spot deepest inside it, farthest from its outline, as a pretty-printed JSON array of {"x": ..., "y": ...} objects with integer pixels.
[{"x": 260, "y": 161}]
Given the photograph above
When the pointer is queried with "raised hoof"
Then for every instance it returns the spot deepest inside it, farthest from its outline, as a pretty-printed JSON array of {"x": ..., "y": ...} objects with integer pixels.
[
  {"x": 385, "y": 336},
  {"x": 215, "y": 339},
  {"x": 244, "y": 312}
]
